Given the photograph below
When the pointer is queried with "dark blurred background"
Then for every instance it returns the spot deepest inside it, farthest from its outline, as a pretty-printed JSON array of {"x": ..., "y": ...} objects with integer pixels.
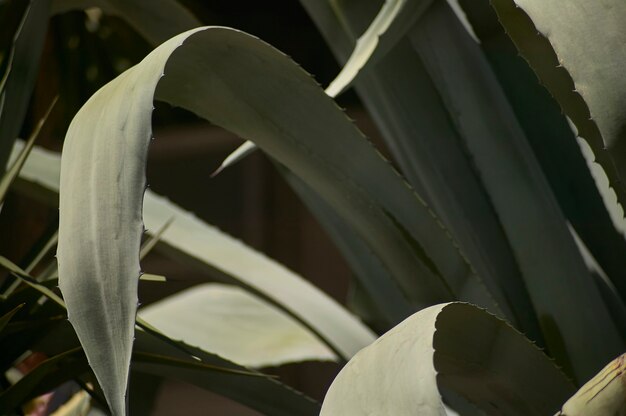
[{"x": 249, "y": 200}]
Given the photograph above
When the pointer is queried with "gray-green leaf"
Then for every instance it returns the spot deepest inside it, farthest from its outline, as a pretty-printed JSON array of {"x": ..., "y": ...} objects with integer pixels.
[{"x": 455, "y": 347}]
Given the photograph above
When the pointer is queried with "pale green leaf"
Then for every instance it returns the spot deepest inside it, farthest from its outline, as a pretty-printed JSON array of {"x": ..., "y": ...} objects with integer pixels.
[
  {"x": 524, "y": 202},
  {"x": 577, "y": 50},
  {"x": 154, "y": 353},
  {"x": 455, "y": 347},
  {"x": 236, "y": 325},
  {"x": 403, "y": 100},
  {"x": 192, "y": 241},
  {"x": 238, "y": 82}
]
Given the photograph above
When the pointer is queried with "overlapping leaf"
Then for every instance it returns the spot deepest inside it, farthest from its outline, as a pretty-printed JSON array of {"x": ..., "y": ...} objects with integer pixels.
[
  {"x": 193, "y": 242},
  {"x": 238, "y": 82},
  {"x": 449, "y": 346},
  {"x": 576, "y": 49},
  {"x": 232, "y": 323}
]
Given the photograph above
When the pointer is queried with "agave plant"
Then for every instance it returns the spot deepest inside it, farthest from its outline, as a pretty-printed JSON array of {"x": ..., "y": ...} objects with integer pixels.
[{"x": 493, "y": 260}]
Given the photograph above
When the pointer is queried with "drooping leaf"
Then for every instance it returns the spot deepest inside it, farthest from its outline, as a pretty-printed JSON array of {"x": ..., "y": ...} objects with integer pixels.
[
  {"x": 525, "y": 204},
  {"x": 390, "y": 24},
  {"x": 22, "y": 73},
  {"x": 406, "y": 106},
  {"x": 577, "y": 52},
  {"x": 238, "y": 82},
  {"x": 450, "y": 346},
  {"x": 191, "y": 241},
  {"x": 232, "y": 323},
  {"x": 554, "y": 144},
  {"x": 155, "y": 20},
  {"x": 279, "y": 106}
]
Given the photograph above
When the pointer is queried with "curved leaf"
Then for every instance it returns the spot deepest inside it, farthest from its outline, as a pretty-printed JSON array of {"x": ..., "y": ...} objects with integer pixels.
[
  {"x": 451, "y": 346},
  {"x": 193, "y": 242},
  {"x": 406, "y": 106},
  {"x": 577, "y": 51},
  {"x": 556, "y": 147},
  {"x": 393, "y": 20},
  {"x": 238, "y": 82},
  {"x": 582, "y": 338},
  {"x": 235, "y": 325},
  {"x": 390, "y": 24}
]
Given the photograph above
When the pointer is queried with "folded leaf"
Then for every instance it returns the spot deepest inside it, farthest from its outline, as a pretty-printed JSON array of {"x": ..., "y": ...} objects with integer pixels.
[
  {"x": 193, "y": 242},
  {"x": 452, "y": 346},
  {"x": 240, "y": 83},
  {"x": 577, "y": 50}
]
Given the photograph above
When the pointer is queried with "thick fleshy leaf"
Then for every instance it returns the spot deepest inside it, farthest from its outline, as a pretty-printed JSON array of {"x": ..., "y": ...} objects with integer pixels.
[
  {"x": 156, "y": 21},
  {"x": 554, "y": 144},
  {"x": 525, "y": 204},
  {"x": 193, "y": 242},
  {"x": 238, "y": 82},
  {"x": 448, "y": 346},
  {"x": 236, "y": 325},
  {"x": 577, "y": 50},
  {"x": 375, "y": 201}
]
